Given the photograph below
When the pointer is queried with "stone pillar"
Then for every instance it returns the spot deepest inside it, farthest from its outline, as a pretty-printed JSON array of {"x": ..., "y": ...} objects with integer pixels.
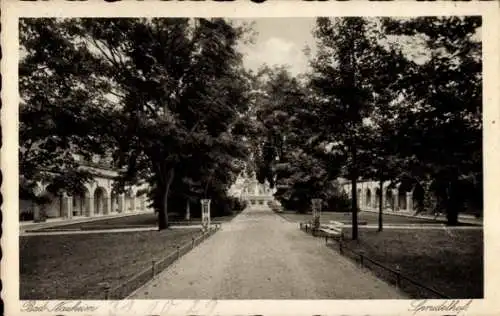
[
  {"x": 132, "y": 204},
  {"x": 384, "y": 194},
  {"x": 107, "y": 205},
  {"x": 37, "y": 213},
  {"x": 90, "y": 207},
  {"x": 395, "y": 200},
  {"x": 361, "y": 199},
  {"x": 121, "y": 203},
  {"x": 140, "y": 201},
  {"x": 373, "y": 193},
  {"x": 409, "y": 201},
  {"x": 66, "y": 206},
  {"x": 112, "y": 203}
]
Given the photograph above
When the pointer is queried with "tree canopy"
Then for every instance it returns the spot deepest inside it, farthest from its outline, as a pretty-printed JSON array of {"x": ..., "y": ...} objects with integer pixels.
[
  {"x": 170, "y": 103},
  {"x": 171, "y": 96}
]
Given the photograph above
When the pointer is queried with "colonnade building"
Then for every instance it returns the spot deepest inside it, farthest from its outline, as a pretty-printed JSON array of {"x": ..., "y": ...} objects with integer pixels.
[
  {"x": 397, "y": 199},
  {"x": 97, "y": 198}
]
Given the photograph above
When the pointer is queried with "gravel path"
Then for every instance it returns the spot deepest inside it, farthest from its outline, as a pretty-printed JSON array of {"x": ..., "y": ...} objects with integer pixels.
[{"x": 259, "y": 255}]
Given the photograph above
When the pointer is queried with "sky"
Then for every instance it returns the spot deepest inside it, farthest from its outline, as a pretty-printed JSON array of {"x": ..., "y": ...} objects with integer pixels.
[{"x": 279, "y": 41}]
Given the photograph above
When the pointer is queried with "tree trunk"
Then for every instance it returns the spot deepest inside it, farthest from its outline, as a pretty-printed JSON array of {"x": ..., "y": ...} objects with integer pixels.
[
  {"x": 163, "y": 212},
  {"x": 354, "y": 202},
  {"x": 206, "y": 187},
  {"x": 452, "y": 217},
  {"x": 380, "y": 205}
]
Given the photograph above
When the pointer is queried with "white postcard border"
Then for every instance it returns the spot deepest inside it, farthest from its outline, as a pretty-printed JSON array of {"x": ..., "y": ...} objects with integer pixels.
[{"x": 12, "y": 10}]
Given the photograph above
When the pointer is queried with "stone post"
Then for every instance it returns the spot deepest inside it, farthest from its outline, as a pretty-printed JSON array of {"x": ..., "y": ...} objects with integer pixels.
[
  {"x": 316, "y": 208},
  {"x": 205, "y": 214},
  {"x": 409, "y": 201}
]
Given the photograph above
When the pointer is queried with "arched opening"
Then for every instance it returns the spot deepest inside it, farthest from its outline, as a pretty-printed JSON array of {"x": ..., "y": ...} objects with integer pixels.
[
  {"x": 100, "y": 201},
  {"x": 358, "y": 196},
  {"x": 115, "y": 202},
  {"x": 418, "y": 198},
  {"x": 368, "y": 200},
  {"x": 405, "y": 187},
  {"x": 402, "y": 205},
  {"x": 81, "y": 203}
]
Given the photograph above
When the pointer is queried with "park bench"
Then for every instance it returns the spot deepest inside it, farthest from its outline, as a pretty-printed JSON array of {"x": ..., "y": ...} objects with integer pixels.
[{"x": 333, "y": 230}]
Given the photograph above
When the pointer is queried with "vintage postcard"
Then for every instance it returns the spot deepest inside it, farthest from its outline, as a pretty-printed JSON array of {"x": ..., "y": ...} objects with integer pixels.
[{"x": 245, "y": 158}]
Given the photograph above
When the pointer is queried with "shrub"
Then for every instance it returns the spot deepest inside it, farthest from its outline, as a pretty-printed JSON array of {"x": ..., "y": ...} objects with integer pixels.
[
  {"x": 339, "y": 203},
  {"x": 26, "y": 215}
]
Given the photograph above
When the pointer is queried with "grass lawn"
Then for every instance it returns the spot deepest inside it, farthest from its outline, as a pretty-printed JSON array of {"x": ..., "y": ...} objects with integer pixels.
[
  {"x": 449, "y": 262},
  {"x": 72, "y": 266},
  {"x": 368, "y": 217},
  {"x": 139, "y": 220}
]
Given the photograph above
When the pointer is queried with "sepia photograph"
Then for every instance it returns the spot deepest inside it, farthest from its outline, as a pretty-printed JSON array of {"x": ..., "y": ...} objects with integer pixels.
[
  {"x": 364, "y": 130},
  {"x": 251, "y": 158}
]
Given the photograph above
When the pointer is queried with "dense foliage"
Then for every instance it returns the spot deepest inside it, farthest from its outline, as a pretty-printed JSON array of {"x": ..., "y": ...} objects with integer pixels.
[
  {"x": 167, "y": 97},
  {"x": 374, "y": 111},
  {"x": 170, "y": 103}
]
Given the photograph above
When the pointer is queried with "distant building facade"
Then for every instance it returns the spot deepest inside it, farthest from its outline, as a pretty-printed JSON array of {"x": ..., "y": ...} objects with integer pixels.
[
  {"x": 395, "y": 199},
  {"x": 251, "y": 191},
  {"x": 97, "y": 199}
]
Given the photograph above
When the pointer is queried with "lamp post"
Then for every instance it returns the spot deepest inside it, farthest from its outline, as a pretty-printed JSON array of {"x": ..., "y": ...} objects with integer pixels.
[{"x": 205, "y": 214}]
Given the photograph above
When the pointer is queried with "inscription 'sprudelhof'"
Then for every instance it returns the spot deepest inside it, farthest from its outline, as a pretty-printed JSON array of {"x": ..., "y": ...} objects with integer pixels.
[
  {"x": 454, "y": 306},
  {"x": 47, "y": 306}
]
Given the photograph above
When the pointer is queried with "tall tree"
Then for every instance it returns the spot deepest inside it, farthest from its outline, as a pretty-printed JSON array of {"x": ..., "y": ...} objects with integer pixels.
[
  {"x": 445, "y": 122},
  {"x": 379, "y": 157},
  {"x": 285, "y": 159},
  {"x": 170, "y": 91},
  {"x": 341, "y": 77},
  {"x": 60, "y": 95}
]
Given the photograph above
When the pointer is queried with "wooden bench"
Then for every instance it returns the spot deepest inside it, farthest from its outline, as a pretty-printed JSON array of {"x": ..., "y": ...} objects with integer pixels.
[{"x": 333, "y": 230}]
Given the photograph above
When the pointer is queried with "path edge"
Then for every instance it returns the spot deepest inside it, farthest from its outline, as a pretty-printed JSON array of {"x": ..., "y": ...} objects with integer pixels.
[{"x": 206, "y": 236}]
